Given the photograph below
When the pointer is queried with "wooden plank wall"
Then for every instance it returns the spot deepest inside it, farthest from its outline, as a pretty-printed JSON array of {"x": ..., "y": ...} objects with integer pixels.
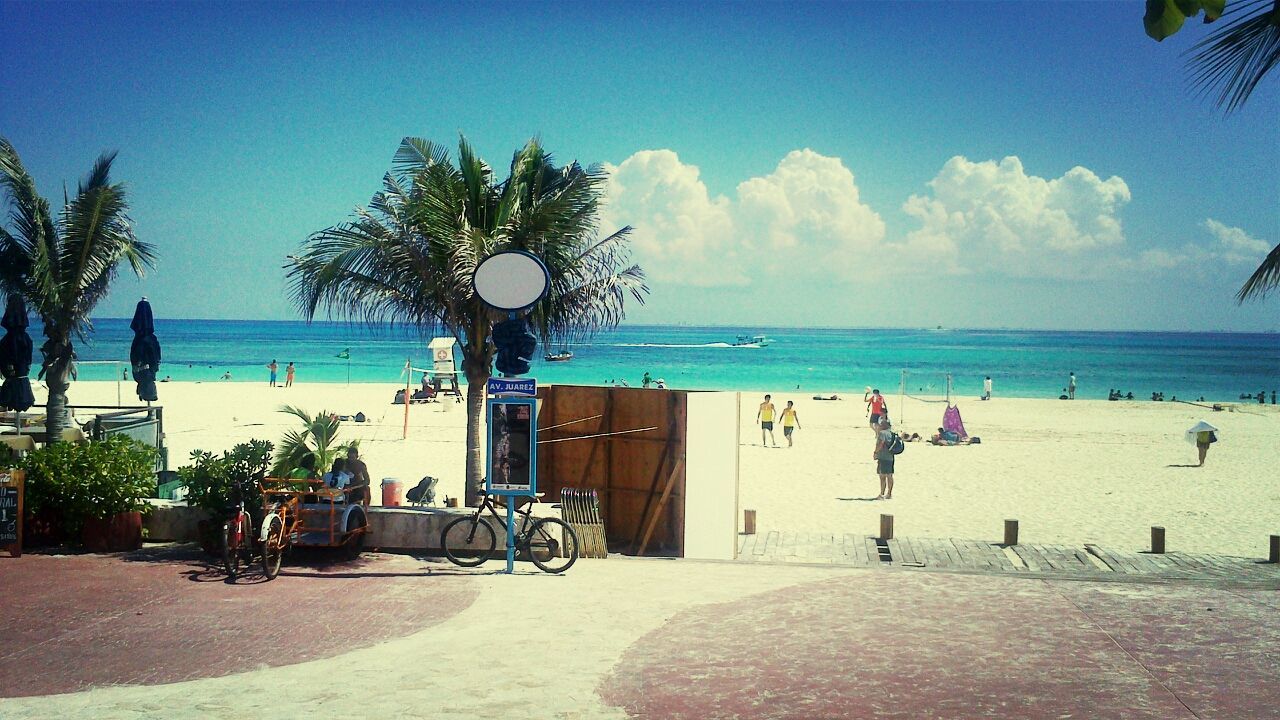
[{"x": 629, "y": 471}]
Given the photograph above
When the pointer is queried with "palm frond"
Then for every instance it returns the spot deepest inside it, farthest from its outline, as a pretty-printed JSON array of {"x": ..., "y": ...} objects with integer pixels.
[
  {"x": 1263, "y": 280},
  {"x": 1239, "y": 53}
]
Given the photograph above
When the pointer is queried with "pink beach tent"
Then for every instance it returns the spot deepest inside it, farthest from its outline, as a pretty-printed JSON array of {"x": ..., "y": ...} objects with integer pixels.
[{"x": 951, "y": 421}]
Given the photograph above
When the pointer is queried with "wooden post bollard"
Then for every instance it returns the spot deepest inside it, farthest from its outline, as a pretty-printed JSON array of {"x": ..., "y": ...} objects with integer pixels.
[
  {"x": 748, "y": 522},
  {"x": 1157, "y": 540},
  {"x": 1010, "y": 532},
  {"x": 1275, "y": 549},
  {"x": 886, "y": 527}
]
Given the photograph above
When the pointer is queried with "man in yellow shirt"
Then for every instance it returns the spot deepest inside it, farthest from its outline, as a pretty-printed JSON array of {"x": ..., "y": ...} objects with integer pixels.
[
  {"x": 790, "y": 422},
  {"x": 765, "y": 416}
]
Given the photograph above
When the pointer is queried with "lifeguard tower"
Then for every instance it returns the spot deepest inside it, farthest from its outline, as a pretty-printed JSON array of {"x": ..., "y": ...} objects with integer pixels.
[{"x": 443, "y": 374}]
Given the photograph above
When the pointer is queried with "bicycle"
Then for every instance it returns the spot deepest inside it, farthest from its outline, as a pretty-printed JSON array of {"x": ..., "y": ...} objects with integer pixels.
[
  {"x": 550, "y": 543},
  {"x": 237, "y": 534},
  {"x": 279, "y": 524}
]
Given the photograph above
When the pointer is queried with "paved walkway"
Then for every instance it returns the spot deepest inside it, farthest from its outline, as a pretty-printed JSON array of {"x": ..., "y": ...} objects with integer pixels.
[
  {"x": 955, "y": 554},
  {"x": 623, "y": 638}
]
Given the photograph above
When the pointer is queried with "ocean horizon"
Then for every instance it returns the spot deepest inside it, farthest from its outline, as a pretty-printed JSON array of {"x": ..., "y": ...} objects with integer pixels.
[{"x": 1218, "y": 366}]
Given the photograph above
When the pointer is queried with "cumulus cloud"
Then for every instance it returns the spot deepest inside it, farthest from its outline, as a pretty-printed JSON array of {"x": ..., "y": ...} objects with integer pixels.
[
  {"x": 806, "y": 214},
  {"x": 1234, "y": 245},
  {"x": 994, "y": 216},
  {"x": 806, "y": 218}
]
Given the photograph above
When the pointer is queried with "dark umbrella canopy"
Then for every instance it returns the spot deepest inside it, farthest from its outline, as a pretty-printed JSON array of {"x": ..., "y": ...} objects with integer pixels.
[
  {"x": 15, "y": 357},
  {"x": 144, "y": 355}
]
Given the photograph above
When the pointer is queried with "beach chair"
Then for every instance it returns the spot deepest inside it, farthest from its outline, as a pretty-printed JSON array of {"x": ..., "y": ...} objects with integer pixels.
[{"x": 424, "y": 493}]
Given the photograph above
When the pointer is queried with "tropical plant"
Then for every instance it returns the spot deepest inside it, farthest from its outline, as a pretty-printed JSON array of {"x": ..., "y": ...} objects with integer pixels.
[
  {"x": 216, "y": 482},
  {"x": 409, "y": 257},
  {"x": 74, "y": 481},
  {"x": 1235, "y": 57},
  {"x": 317, "y": 438},
  {"x": 64, "y": 266}
]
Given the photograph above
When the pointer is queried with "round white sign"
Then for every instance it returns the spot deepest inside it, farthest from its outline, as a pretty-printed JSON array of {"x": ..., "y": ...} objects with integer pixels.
[{"x": 511, "y": 280}]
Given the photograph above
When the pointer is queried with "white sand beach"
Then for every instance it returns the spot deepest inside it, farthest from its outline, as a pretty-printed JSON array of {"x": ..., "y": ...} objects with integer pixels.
[{"x": 1071, "y": 472}]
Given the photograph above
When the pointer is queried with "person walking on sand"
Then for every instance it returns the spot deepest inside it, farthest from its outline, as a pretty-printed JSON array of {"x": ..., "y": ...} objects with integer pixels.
[
  {"x": 1071, "y": 387},
  {"x": 273, "y": 367},
  {"x": 288, "y": 375},
  {"x": 875, "y": 404},
  {"x": 790, "y": 422},
  {"x": 883, "y": 455},
  {"x": 765, "y": 417},
  {"x": 986, "y": 388},
  {"x": 1203, "y": 439}
]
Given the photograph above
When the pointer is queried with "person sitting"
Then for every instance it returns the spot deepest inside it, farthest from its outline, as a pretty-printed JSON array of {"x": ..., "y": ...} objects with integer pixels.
[
  {"x": 306, "y": 469},
  {"x": 399, "y": 398},
  {"x": 358, "y": 489},
  {"x": 945, "y": 437},
  {"x": 1128, "y": 396}
]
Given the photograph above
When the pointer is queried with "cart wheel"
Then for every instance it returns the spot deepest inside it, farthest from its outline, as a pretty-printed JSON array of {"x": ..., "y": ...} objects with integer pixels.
[
  {"x": 553, "y": 545},
  {"x": 468, "y": 541},
  {"x": 355, "y": 531},
  {"x": 273, "y": 549}
]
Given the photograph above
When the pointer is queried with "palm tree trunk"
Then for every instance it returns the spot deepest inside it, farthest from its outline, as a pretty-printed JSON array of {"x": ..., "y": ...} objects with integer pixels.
[
  {"x": 58, "y": 355},
  {"x": 477, "y": 376}
]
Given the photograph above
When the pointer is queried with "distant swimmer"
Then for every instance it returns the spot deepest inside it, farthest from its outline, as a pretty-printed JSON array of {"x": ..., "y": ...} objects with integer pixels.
[{"x": 765, "y": 417}]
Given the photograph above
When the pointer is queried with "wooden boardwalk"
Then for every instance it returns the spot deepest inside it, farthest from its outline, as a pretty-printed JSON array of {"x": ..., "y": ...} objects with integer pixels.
[{"x": 956, "y": 554}]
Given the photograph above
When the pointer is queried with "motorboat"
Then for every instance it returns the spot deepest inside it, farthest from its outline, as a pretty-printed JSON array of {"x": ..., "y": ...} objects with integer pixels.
[
  {"x": 562, "y": 356},
  {"x": 751, "y": 341}
]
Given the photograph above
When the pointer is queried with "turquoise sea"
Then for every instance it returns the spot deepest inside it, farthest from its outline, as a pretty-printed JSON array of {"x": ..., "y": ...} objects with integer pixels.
[{"x": 1035, "y": 364}]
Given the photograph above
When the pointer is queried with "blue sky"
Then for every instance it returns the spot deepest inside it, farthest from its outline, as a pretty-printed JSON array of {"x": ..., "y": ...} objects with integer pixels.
[{"x": 1027, "y": 164}]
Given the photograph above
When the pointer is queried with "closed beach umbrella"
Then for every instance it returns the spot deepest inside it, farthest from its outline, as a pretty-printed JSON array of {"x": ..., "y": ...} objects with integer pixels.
[
  {"x": 1199, "y": 427},
  {"x": 15, "y": 357},
  {"x": 144, "y": 355}
]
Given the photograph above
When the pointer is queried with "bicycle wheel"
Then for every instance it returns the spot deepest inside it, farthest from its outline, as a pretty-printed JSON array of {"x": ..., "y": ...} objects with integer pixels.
[
  {"x": 468, "y": 541},
  {"x": 237, "y": 552},
  {"x": 553, "y": 545},
  {"x": 273, "y": 548}
]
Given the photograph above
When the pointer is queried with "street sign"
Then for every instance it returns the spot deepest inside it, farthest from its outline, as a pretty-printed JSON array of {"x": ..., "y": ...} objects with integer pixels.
[
  {"x": 513, "y": 387},
  {"x": 513, "y": 454}
]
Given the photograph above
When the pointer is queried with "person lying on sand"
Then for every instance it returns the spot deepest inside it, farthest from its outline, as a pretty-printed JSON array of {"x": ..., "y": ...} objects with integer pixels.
[{"x": 946, "y": 437}]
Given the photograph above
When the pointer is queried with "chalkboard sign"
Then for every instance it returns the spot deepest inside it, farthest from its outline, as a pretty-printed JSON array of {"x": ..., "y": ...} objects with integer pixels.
[{"x": 11, "y": 511}]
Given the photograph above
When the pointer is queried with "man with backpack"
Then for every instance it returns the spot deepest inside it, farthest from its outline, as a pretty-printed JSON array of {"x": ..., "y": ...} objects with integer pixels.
[{"x": 888, "y": 445}]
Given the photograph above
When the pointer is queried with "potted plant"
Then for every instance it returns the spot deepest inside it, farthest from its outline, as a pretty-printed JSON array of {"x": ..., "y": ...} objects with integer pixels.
[
  {"x": 94, "y": 491},
  {"x": 212, "y": 483}
]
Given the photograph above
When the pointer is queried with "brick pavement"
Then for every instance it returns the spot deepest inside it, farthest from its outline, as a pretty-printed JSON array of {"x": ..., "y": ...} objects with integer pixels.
[
  {"x": 71, "y": 622},
  {"x": 917, "y": 645}
]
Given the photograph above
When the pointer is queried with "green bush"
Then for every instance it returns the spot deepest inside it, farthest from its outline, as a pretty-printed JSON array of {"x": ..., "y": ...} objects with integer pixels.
[
  {"x": 211, "y": 480},
  {"x": 72, "y": 481}
]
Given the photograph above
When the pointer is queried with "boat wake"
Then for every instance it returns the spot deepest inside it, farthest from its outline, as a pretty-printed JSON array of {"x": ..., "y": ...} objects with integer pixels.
[{"x": 688, "y": 345}]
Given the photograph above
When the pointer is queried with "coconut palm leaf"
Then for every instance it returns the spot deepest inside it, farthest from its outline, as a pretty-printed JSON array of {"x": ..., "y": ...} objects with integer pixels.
[
  {"x": 1232, "y": 60},
  {"x": 1263, "y": 280}
]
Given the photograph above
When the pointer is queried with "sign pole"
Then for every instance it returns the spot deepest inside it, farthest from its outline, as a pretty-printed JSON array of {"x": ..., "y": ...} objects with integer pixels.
[
  {"x": 511, "y": 534},
  {"x": 408, "y": 372}
]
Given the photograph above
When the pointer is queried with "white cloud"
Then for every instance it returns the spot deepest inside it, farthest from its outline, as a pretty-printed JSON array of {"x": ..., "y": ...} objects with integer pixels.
[
  {"x": 994, "y": 216},
  {"x": 805, "y": 215},
  {"x": 679, "y": 232},
  {"x": 1234, "y": 245}
]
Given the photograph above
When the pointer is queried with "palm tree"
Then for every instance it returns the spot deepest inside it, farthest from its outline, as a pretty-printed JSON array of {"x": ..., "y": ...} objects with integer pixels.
[
  {"x": 1237, "y": 55},
  {"x": 317, "y": 438},
  {"x": 64, "y": 266},
  {"x": 410, "y": 256}
]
